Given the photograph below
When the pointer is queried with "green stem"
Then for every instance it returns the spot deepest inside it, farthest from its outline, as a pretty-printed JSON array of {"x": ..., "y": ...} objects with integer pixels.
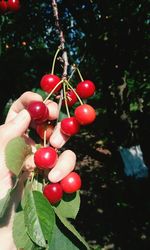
[
  {"x": 44, "y": 182},
  {"x": 45, "y": 137},
  {"x": 60, "y": 104},
  {"x": 32, "y": 176},
  {"x": 80, "y": 75},
  {"x": 52, "y": 91},
  {"x": 54, "y": 60},
  {"x": 72, "y": 73},
  {"x": 78, "y": 97},
  {"x": 65, "y": 98}
]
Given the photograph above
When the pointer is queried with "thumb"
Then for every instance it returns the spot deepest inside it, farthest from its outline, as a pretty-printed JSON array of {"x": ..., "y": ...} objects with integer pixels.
[{"x": 17, "y": 126}]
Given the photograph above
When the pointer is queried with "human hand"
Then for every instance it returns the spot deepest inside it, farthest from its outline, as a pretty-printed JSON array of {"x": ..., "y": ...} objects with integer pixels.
[{"x": 16, "y": 124}]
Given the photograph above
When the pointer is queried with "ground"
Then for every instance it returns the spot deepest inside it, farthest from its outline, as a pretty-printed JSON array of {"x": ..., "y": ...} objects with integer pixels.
[{"x": 115, "y": 210}]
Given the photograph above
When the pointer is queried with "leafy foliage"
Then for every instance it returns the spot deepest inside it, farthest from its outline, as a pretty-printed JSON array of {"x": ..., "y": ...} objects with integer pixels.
[
  {"x": 69, "y": 205},
  {"x": 16, "y": 151},
  {"x": 39, "y": 218},
  {"x": 4, "y": 203}
]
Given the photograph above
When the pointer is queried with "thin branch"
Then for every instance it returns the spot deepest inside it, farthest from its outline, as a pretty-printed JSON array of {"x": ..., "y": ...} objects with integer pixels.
[{"x": 62, "y": 39}]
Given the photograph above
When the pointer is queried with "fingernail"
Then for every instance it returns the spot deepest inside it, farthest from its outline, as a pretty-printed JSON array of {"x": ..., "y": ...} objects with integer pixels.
[{"x": 54, "y": 176}]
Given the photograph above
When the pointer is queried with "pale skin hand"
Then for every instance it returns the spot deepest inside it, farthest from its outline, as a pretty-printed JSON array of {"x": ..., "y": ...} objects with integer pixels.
[{"x": 16, "y": 124}]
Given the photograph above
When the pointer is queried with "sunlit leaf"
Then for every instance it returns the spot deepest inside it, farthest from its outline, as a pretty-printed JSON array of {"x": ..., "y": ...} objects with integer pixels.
[
  {"x": 4, "y": 203},
  {"x": 39, "y": 218},
  {"x": 69, "y": 205},
  {"x": 72, "y": 229},
  {"x": 61, "y": 241},
  {"x": 20, "y": 236},
  {"x": 15, "y": 154}
]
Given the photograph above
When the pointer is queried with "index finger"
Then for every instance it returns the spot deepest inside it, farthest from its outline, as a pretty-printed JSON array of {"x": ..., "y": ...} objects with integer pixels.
[
  {"x": 21, "y": 103},
  {"x": 24, "y": 100}
]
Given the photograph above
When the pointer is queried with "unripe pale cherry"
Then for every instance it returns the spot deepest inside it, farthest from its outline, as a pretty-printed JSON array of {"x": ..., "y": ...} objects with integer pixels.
[
  {"x": 53, "y": 192},
  {"x": 49, "y": 82},
  {"x": 45, "y": 157}
]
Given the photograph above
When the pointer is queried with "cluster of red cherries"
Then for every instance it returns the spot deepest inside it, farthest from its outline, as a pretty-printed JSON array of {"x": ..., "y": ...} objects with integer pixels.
[
  {"x": 46, "y": 156},
  {"x": 10, "y": 5}
]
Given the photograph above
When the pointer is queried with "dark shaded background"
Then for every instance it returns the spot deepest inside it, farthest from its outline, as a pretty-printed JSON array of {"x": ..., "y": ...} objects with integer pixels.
[{"x": 109, "y": 41}]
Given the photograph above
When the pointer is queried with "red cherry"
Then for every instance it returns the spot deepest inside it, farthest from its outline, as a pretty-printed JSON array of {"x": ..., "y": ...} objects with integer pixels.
[
  {"x": 53, "y": 192},
  {"x": 38, "y": 111},
  {"x": 85, "y": 114},
  {"x": 71, "y": 183},
  {"x": 44, "y": 127},
  {"x": 45, "y": 157},
  {"x": 3, "y": 6},
  {"x": 70, "y": 126},
  {"x": 13, "y": 5},
  {"x": 49, "y": 81},
  {"x": 85, "y": 89},
  {"x": 71, "y": 98}
]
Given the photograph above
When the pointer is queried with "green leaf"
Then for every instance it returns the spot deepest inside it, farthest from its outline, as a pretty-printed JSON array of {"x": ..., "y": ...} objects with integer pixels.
[
  {"x": 19, "y": 230},
  {"x": 39, "y": 218},
  {"x": 62, "y": 115},
  {"x": 37, "y": 185},
  {"x": 40, "y": 92},
  {"x": 61, "y": 241},
  {"x": 16, "y": 152},
  {"x": 27, "y": 189},
  {"x": 69, "y": 205},
  {"x": 20, "y": 236},
  {"x": 72, "y": 229},
  {"x": 4, "y": 203}
]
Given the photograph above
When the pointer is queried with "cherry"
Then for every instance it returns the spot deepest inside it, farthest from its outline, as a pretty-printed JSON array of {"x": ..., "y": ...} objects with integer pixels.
[
  {"x": 49, "y": 81},
  {"x": 71, "y": 98},
  {"x": 53, "y": 192},
  {"x": 71, "y": 183},
  {"x": 85, "y": 114},
  {"x": 38, "y": 111},
  {"x": 45, "y": 157},
  {"x": 41, "y": 128},
  {"x": 70, "y": 126},
  {"x": 85, "y": 89},
  {"x": 13, "y": 5},
  {"x": 3, "y": 6}
]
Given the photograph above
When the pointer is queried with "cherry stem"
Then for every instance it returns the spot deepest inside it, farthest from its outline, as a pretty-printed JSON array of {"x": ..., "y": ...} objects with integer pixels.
[
  {"x": 72, "y": 73},
  {"x": 44, "y": 183},
  {"x": 54, "y": 60},
  {"x": 78, "y": 97},
  {"x": 80, "y": 74},
  {"x": 52, "y": 91},
  {"x": 45, "y": 137},
  {"x": 65, "y": 98},
  {"x": 32, "y": 176},
  {"x": 60, "y": 104}
]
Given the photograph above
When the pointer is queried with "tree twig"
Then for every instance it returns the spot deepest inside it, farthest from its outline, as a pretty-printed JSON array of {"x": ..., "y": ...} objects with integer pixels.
[{"x": 62, "y": 39}]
